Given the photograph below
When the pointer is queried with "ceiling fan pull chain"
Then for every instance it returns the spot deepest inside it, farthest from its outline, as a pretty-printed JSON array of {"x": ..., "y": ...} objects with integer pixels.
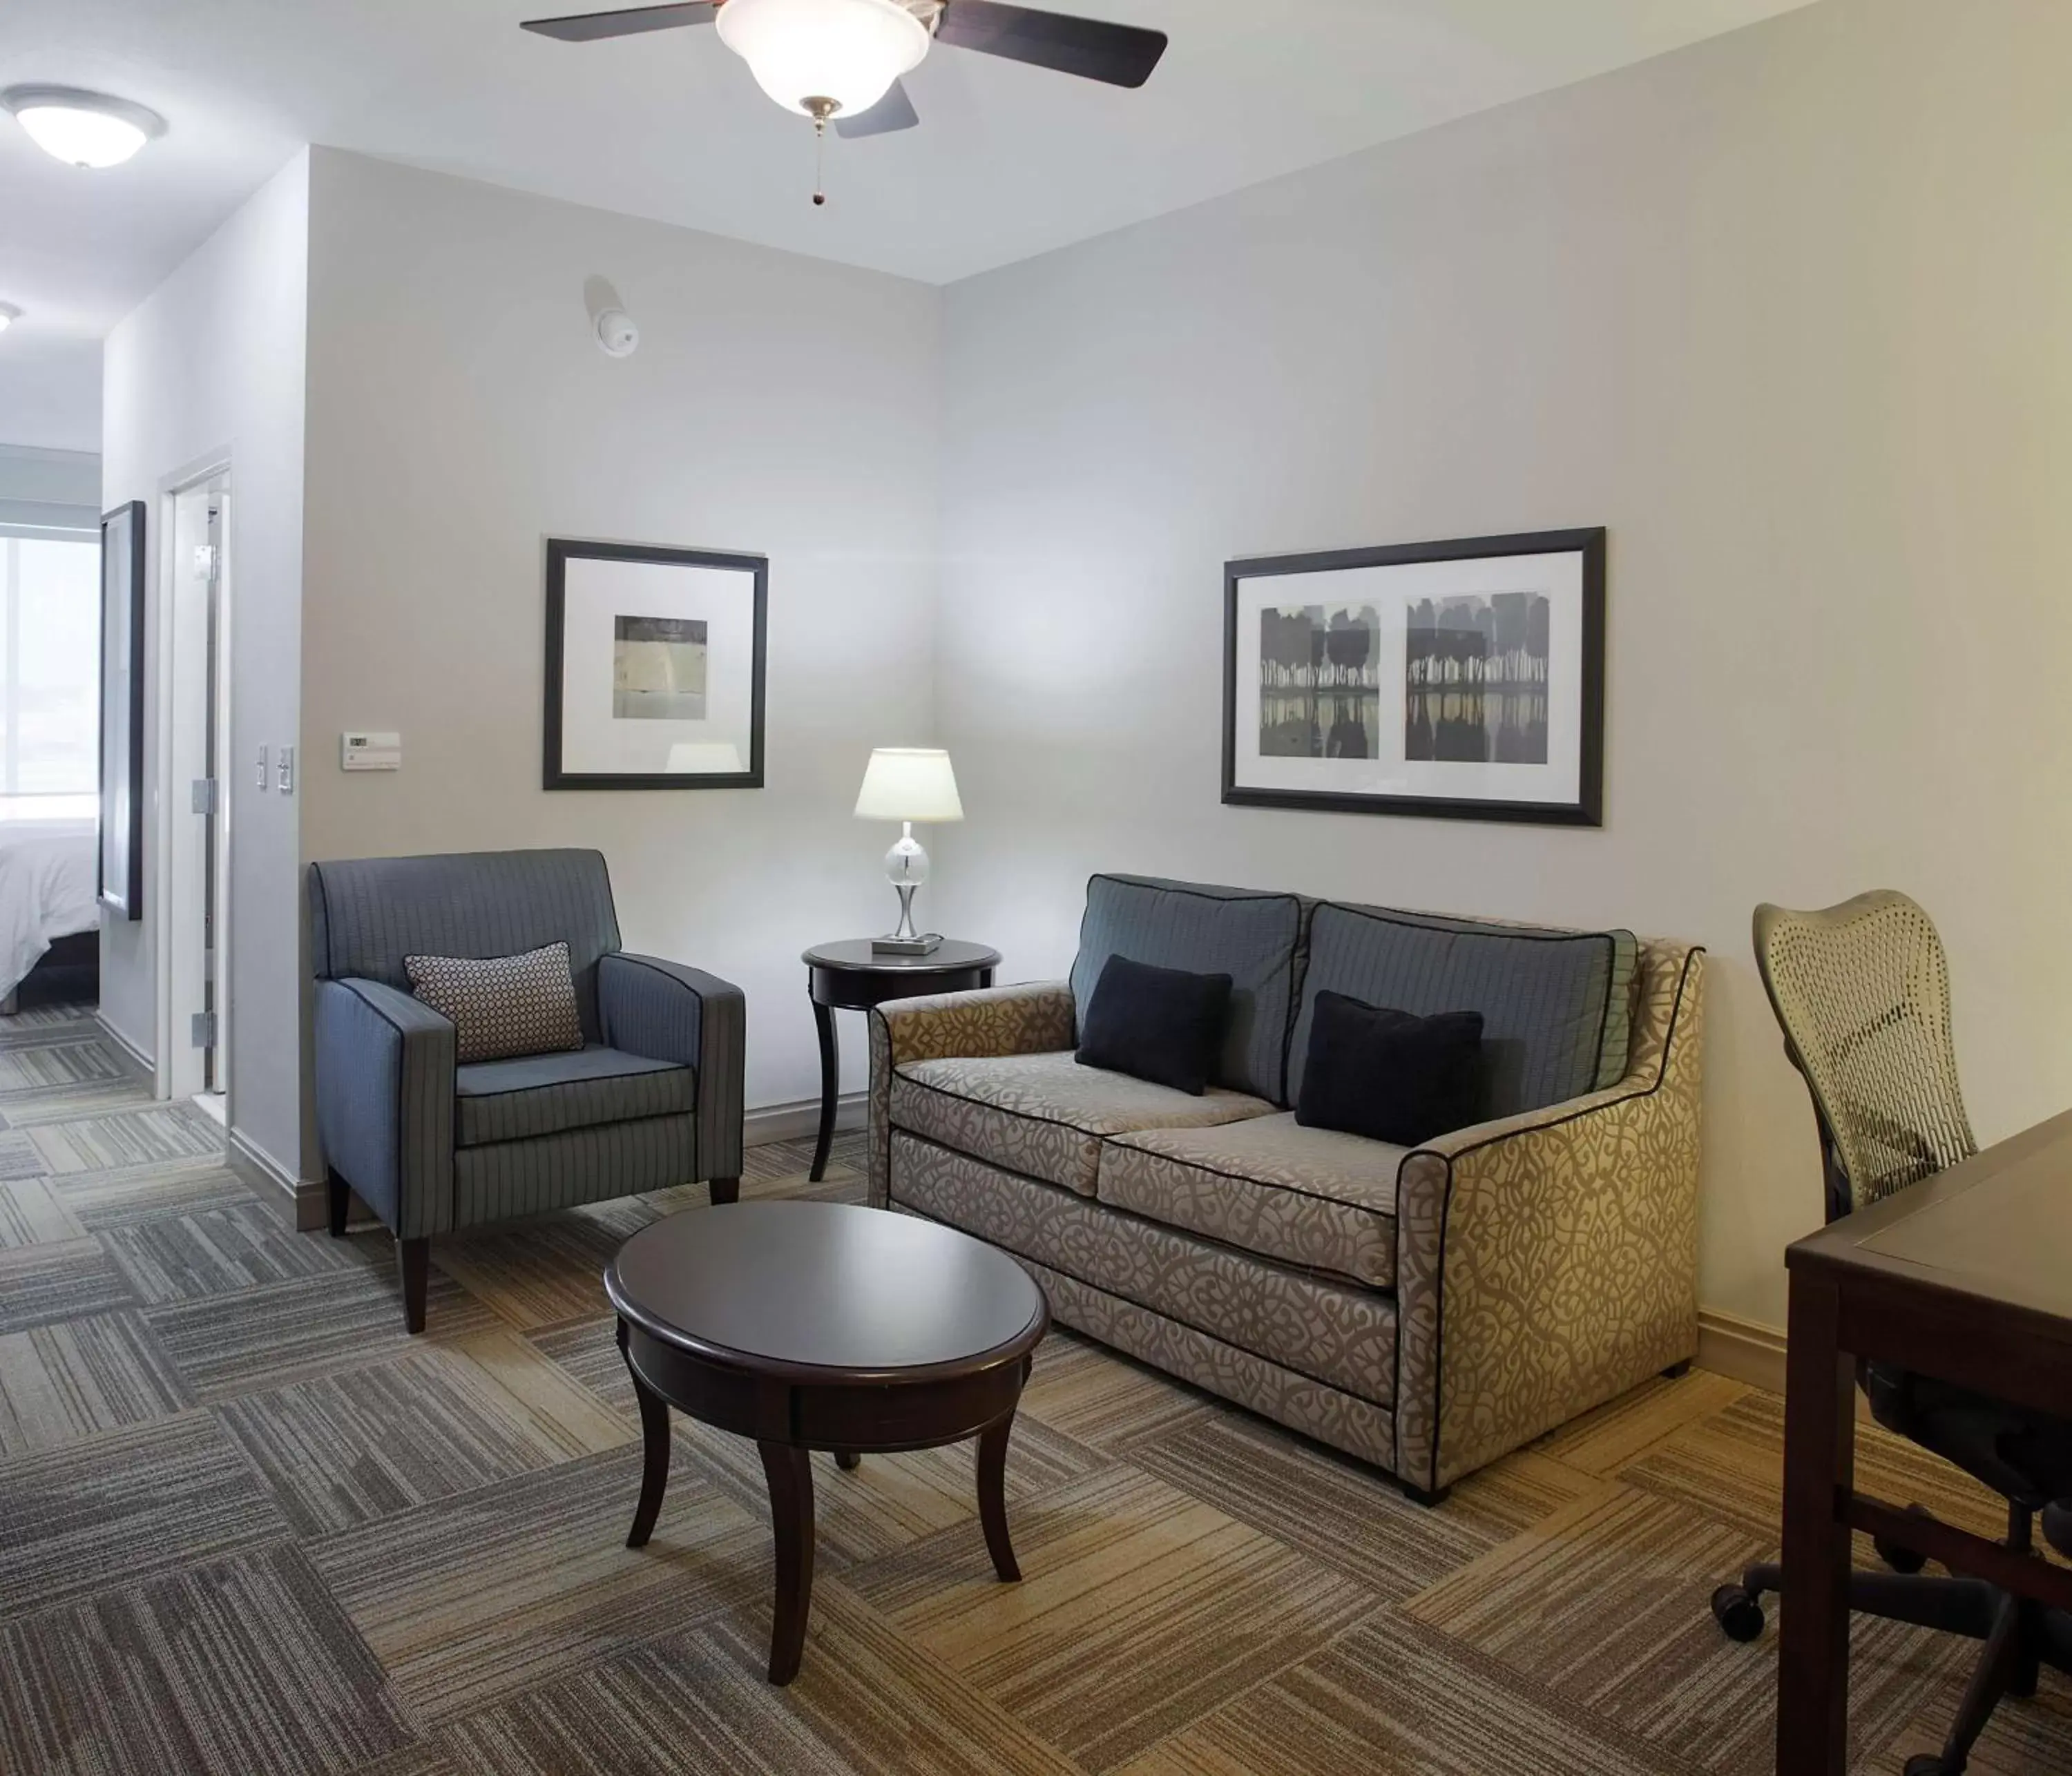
[{"x": 820, "y": 161}]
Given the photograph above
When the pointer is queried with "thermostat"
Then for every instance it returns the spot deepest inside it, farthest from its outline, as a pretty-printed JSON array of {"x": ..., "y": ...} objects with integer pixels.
[{"x": 361, "y": 751}]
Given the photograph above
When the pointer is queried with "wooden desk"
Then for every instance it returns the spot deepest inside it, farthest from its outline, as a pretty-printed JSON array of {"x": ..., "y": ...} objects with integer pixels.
[{"x": 1967, "y": 1276}]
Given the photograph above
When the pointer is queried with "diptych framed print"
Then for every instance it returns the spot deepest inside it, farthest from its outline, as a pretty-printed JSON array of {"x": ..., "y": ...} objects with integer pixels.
[
  {"x": 655, "y": 666},
  {"x": 121, "y": 868},
  {"x": 1464, "y": 680}
]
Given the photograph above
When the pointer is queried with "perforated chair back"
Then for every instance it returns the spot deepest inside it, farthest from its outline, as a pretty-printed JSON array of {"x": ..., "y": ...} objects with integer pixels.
[{"x": 1862, "y": 992}]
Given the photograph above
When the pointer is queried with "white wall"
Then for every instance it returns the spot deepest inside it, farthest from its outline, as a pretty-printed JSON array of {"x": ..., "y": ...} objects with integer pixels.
[
  {"x": 50, "y": 387},
  {"x": 460, "y": 415},
  {"x": 210, "y": 369},
  {"x": 1791, "y": 313},
  {"x": 41, "y": 488}
]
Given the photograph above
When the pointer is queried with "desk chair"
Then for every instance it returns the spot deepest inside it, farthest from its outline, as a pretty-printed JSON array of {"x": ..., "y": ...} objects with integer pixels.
[{"x": 1862, "y": 991}]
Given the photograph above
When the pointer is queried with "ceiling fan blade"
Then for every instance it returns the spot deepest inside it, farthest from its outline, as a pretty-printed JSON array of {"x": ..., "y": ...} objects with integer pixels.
[
  {"x": 894, "y": 111},
  {"x": 1092, "y": 48},
  {"x": 587, "y": 27}
]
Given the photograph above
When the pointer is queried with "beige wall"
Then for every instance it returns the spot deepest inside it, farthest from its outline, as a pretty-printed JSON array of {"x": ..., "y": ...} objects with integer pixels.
[
  {"x": 460, "y": 414},
  {"x": 1791, "y": 313}
]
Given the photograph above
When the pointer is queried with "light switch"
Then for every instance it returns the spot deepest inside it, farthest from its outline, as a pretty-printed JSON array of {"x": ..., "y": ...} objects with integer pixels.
[
  {"x": 263, "y": 781},
  {"x": 365, "y": 752},
  {"x": 284, "y": 773}
]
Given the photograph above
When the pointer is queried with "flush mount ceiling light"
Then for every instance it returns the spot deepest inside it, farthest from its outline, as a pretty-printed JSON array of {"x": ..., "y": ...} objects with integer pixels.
[
  {"x": 9, "y": 315},
  {"x": 82, "y": 128}
]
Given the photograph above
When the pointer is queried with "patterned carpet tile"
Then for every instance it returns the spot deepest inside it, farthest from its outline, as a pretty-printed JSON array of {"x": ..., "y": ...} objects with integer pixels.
[
  {"x": 1603, "y": 1442},
  {"x": 494, "y": 1593},
  {"x": 866, "y": 1701},
  {"x": 77, "y": 1377},
  {"x": 1515, "y": 1493},
  {"x": 20, "y": 1156},
  {"x": 1107, "y": 1401},
  {"x": 545, "y": 1272},
  {"x": 42, "y": 1284},
  {"x": 145, "y": 1193},
  {"x": 1140, "y": 1609},
  {"x": 229, "y": 1250},
  {"x": 1388, "y": 1699},
  {"x": 1606, "y": 1605},
  {"x": 117, "y": 1508},
  {"x": 1732, "y": 1465},
  {"x": 265, "y": 1337},
  {"x": 69, "y": 1057},
  {"x": 1339, "y": 1512},
  {"x": 37, "y": 1109},
  {"x": 31, "y": 1214},
  {"x": 242, "y": 1664},
  {"x": 2021, "y": 1738},
  {"x": 351, "y": 1448},
  {"x": 163, "y": 1134}
]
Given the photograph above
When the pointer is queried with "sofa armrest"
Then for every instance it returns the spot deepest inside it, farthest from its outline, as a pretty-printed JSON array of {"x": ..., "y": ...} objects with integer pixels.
[
  {"x": 1036, "y": 1017},
  {"x": 1547, "y": 1262},
  {"x": 384, "y": 1092},
  {"x": 668, "y": 1011}
]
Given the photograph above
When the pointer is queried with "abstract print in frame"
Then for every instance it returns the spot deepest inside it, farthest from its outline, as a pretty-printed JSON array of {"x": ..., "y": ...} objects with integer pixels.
[
  {"x": 1464, "y": 680},
  {"x": 655, "y": 666}
]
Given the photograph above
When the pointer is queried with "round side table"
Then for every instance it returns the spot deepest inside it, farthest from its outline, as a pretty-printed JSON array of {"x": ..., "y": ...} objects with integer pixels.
[{"x": 847, "y": 976}]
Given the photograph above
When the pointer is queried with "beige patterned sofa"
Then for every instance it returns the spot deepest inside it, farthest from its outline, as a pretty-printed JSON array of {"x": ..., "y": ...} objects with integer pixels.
[{"x": 1428, "y": 1310}]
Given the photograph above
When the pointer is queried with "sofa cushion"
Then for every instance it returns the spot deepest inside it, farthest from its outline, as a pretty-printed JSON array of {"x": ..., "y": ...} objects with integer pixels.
[
  {"x": 1163, "y": 1025},
  {"x": 502, "y": 1005},
  {"x": 1312, "y": 1197},
  {"x": 1045, "y": 1115},
  {"x": 1384, "y": 1073},
  {"x": 543, "y": 1093},
  {"x": 1253, "y": 938},
  {"x": 1556, "y": 1005}
]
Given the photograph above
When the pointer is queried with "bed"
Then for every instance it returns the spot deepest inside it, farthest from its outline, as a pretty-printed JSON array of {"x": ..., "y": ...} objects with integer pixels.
[{"x": 48, "y": 886}]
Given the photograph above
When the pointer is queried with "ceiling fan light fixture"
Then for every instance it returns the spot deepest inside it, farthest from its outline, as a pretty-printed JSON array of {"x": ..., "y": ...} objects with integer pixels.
[
  {"x": 82, "y": 128},
  {"x": 821, "y": 57}
]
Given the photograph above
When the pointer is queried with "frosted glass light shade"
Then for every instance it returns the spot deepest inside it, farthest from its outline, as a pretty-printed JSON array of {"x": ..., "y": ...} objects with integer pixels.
[
  {"x": 845, "y": 51},
  {"x": 907, "y": 783},
  {"x": 82, "y": 128}
]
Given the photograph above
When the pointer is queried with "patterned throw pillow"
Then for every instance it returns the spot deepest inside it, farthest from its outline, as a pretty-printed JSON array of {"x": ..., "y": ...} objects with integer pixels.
[{"x": 502, "y": 1005}]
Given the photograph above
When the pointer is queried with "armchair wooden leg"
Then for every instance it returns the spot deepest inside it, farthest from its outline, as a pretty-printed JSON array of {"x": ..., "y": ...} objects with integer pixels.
[
  {"x": 725, "y": 1190},
  {"x": 340, "y": 1193},
  {"x": 416, "y": 1256}
]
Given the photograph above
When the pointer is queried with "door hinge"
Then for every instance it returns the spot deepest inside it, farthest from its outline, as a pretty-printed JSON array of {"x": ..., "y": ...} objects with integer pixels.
[
  {"x": 203, "y": 1032},
  {"x": 208, "y": 793},
  {"x": 205, "y": 562}
]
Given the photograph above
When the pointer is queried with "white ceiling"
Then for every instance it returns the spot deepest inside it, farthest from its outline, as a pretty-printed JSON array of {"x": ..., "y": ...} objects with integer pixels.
[{"x": 1009, "y": 161}]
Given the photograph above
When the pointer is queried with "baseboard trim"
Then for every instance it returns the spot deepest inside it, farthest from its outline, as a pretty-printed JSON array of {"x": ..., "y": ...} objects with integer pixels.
[
  {"x": 1744, "y": 1351},
  {"x": 799, "y": 1120},
  {"x": 126, "y": 1045},
  {"x": 247, "y": 1156}
]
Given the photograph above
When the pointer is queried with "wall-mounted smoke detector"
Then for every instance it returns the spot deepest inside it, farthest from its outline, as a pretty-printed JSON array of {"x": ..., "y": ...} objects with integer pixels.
[
  {"x": 617, "y": 336},
  {"x": 82, "y": 128}
]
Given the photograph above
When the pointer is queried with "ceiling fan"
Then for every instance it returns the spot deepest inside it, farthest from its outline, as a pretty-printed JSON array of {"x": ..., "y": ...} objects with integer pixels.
[{"x": 840, "y": 61}]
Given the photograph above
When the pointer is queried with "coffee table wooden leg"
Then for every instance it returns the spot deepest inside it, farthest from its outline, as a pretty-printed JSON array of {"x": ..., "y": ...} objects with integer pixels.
[
  {"x": 790, "y": 1472},
  {"x": 655, "y": 1438},
  {"x": 993, "y": 1495}
]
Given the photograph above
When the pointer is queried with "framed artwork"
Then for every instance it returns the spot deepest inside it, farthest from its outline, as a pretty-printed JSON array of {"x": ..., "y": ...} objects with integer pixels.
[
  {"x": 655, "y": 666},
  {"x": 121, "y": 869},
  {"x": 1464, "y": 680}
]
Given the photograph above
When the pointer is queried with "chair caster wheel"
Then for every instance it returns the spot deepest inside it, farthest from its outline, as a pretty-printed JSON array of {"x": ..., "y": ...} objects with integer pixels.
[
  {"x": 1738, "y": 1613},
  {"x": 1930, "y": 1764},
  {"x": 1901, "y": 1559}
]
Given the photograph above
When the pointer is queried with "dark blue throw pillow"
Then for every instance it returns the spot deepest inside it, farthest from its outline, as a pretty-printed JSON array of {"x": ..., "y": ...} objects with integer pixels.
[
  {"x": 1389, "y": 1075},
  {"x": 1163, "y": 1025}
]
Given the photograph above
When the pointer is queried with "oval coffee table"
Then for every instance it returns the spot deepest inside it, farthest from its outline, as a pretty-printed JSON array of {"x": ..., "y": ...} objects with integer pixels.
[{"x": 817, "y": 1326}]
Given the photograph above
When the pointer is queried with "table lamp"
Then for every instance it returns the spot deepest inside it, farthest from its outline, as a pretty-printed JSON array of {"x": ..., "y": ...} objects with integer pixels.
[{"x": 907, "y": 784}]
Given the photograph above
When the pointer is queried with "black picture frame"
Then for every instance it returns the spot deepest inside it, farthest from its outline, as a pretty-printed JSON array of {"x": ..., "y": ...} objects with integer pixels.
[
  {"x": 119, "y": 853},
  {"x": 1586, "y": 810},
  {"x": 560, "y": 551}
]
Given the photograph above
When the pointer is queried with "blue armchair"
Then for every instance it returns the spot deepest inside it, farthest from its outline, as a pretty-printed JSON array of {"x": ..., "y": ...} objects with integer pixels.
[{"x": 652, "y": 1099}]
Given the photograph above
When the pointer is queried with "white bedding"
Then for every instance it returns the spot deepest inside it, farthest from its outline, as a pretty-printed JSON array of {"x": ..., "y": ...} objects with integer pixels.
[{"x": 48, "y": 883}]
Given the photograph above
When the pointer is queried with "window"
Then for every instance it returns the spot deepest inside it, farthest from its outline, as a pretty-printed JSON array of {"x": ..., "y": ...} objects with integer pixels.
[{"x": 50, "y": 675}]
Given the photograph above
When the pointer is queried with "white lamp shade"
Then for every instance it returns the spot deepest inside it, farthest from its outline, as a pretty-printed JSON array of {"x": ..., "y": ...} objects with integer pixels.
[
  {"x": 846, "y": 51},
  {"x": 907, "y": 783},
  {"x": 704, "y": 758}
]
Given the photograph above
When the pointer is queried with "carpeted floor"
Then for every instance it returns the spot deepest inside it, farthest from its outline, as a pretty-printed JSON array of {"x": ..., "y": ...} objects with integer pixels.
[{"x": 248, "y": 1526}]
